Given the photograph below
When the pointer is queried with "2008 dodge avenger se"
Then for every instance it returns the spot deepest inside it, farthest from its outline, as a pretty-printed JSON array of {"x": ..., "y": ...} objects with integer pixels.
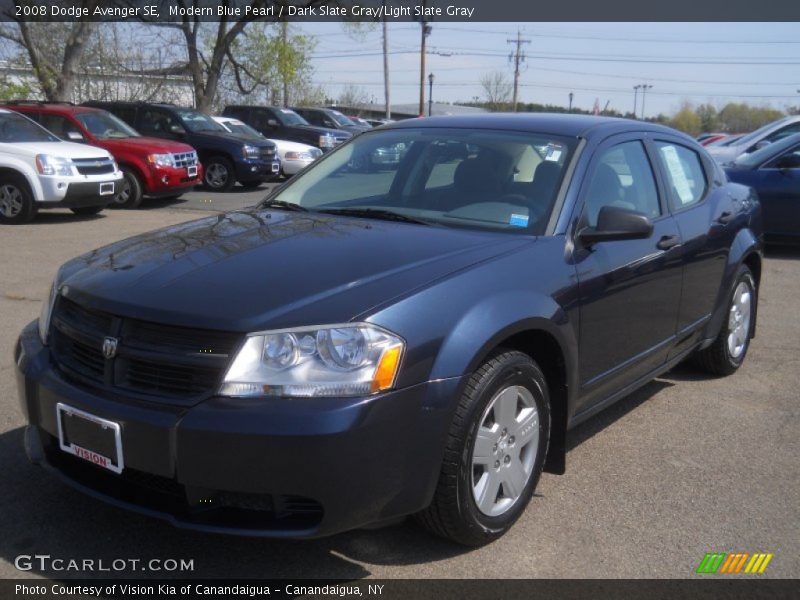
[{"x": 414, "y": 338}]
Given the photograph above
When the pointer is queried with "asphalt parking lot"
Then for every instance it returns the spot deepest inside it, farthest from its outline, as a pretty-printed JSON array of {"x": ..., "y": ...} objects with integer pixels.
[{"x": 687, "y": 465}]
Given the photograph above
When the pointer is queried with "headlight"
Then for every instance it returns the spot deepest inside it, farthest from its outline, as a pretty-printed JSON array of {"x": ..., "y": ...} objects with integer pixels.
[
  {"x": 334, "y": 360},
  {"x": 299, "y": 156},
  {"x": 326, "y": 141},
  {"x": 47, "y": 309},
  {"x": 251, "y": 151},
  {"x": 53, "y": 165},
  {"x": 161, "y": 160}
]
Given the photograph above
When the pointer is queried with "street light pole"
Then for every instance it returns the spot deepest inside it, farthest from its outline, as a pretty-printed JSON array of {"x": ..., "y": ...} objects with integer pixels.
[
  {"x": 635, "y": 93},
  {"x": 570, "y": 101},
  {"x": 645, "y": 87},
  {"x": 430, "y": 95}
]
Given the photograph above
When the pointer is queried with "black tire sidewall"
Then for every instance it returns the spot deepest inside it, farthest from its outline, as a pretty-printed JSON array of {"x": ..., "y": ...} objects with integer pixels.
[
  {"x": 518, "y": 370},
  {"x": 744, "y": 275}
]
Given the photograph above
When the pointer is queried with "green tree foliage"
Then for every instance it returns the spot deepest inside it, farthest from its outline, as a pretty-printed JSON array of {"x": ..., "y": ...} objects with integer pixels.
[
  {"x": 13, "y": 91},
  {"x": 687, "y": 120}
]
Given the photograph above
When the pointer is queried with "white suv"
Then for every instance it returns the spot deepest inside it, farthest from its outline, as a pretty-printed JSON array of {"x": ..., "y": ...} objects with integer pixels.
[{"x": 38, "y": 170}]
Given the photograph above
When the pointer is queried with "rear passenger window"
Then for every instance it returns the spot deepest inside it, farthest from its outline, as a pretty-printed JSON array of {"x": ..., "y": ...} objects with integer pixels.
[{"x": 685, "y": 174}]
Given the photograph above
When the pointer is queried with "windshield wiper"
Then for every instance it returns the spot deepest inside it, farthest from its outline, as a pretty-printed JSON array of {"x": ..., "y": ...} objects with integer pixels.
[
  {"x": 374, "y": 213},
  {"x": 283, "y": 204}
]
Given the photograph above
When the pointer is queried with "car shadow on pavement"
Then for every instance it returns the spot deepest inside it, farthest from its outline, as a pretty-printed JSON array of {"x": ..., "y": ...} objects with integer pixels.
[
  {"x": 50, "y": 217},
  {"x": 42, "y": 515}
]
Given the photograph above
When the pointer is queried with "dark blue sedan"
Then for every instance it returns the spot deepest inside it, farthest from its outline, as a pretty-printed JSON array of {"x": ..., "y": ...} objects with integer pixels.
[
  {"x": 774, "y": 172},
  {"x": 417, "y": 340}
]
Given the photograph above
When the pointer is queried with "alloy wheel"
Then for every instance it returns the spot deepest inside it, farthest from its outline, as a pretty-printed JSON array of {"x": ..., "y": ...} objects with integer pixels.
[
  {"x": 739, "y": 319},
  {"x": 11, "y": 201},
  {"x": 217, "y": 175},
  {"x": 505, "y": 450}
]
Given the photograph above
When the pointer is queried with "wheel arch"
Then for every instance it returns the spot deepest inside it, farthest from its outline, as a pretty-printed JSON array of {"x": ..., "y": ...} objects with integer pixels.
[{"x": 16, "y": 172}]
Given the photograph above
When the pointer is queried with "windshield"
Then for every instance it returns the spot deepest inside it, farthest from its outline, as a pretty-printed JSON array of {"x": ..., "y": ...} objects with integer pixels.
[
  {"x": 242, "y": 128},
  {"x": 197, "y": 121},
  {"x": 16, "y": 128},
  {"x": 340, "y": 119},
  {"x": 452, "y": 177},
  {"x": 752, "y": 137},
  {"x": 757, "y": 158},
  {"x": 289, "y": 117},
  {"x": 105, "y": 126}
]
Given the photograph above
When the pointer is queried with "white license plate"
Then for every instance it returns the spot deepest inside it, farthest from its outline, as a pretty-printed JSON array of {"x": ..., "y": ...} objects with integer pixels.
[
  {"x": 275, "y": 167},
  {"x": 106, "y": 189},
  {"x": 89, "y": 437},
  {"x": 191, "y": 171}
]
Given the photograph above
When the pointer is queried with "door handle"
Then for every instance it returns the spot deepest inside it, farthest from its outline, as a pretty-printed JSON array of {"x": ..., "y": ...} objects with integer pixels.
[
  {"x": 668, "y": 241},
  {"x": 725, "y": 218}
]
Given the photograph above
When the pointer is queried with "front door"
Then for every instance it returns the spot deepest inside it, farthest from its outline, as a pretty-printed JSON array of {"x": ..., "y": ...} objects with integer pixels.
[{"x": 629, "y": 289}]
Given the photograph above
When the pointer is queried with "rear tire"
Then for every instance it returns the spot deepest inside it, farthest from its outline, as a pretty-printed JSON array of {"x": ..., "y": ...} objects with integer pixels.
[
  {"x": 16, "y": 201},
  {"x": 495, "y": 451},
  {"x": 87, "y": 210},
  {"x": 729, "y": 349},
  {"x": 218, "y": 174},
  {"x": 131, "y": 192}
]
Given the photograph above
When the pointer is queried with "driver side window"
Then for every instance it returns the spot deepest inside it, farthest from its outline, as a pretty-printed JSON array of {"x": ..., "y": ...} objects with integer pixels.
[{"x": 622, "y": 177}]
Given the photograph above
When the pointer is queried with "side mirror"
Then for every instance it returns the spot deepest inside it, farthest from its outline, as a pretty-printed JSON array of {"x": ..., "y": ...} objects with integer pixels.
[
  {"x": 762, "y": 144},
  {"x": 75, "y": 136},
  {"x": 272, "y": 123},
  {"x": 176, "y": 129},
  {"x": 616, "y": 223}
]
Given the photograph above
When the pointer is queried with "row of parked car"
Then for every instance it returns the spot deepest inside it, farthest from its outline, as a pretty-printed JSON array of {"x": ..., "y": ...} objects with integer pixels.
[
  {"x": 85, "y": 157},
  {"x": 768, "y": 160}
]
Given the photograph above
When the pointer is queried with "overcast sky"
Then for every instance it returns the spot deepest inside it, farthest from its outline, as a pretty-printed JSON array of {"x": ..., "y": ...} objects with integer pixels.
[{"x": 717, "y": 62}]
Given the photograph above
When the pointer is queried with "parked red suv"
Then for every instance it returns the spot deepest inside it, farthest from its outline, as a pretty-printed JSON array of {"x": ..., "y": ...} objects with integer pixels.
[{"x": 152, "y": 167}]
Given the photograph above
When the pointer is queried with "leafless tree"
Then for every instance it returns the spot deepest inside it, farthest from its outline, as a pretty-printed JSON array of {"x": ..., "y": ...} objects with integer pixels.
[{"x": 496, "y": 90}]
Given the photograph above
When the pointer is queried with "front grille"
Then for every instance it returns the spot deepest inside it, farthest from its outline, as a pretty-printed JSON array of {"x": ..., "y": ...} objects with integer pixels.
[
  {"x": 185, "y": 159},
  {"x": 267, "y": 153},
  {"x": 172, "y": 363},
  {"x": 93, "y": 166}
]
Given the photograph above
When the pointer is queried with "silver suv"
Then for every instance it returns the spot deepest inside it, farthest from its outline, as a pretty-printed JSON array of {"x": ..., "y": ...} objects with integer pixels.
[{"x": 38, "y": 170}]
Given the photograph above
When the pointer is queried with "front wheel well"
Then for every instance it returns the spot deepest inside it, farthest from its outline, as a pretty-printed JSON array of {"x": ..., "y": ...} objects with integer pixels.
[{"x": 543, "y": 348}]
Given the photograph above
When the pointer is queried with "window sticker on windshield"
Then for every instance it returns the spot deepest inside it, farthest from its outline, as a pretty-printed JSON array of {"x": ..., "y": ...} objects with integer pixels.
[
  {"x": 677, "y": 174},
  {"x": 518, "y": 220},
  {"x": 553, "y": 152}
]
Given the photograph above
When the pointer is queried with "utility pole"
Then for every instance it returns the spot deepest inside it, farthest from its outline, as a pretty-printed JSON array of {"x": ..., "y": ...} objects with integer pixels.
[
  {"x": 386, "y": 65},
  {"x": 570, "y": 101},
  {"x": 425, "y": 31},
  {"x": 518, "y": 56},
  {"x": 284, "y": 51},
  {"x": 645, "y": 87},
  {"x": 636, "y": 89}
]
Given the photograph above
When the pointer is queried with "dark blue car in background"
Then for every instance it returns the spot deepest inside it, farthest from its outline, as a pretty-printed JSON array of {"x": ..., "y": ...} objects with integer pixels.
[
  {"x": 366, "y": 345},
  {"x": 774, "y": 172}
]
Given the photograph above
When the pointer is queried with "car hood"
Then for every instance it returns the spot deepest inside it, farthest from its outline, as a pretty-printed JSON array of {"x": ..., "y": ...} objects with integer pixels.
[
  {"x": 285, "y": 146},
  {"x": 146, "y": 145},
  {"x": 259, "y": 269},
  {"x": 323, "y": 130},
  {"x": 64, "y": 149},
  {"x": 212, "y": 136}
]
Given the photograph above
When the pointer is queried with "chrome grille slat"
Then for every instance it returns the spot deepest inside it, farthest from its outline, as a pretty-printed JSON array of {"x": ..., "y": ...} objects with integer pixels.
[{"x": 184, "y": 159}]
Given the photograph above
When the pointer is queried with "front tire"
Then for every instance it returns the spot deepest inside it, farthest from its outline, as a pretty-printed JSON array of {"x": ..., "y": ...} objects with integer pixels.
[
  {"x": 495, "y": 451},
  {"x": 131, "y": 191},
  {"x": 16, "y": 202},
  {"x": 727, "y": 353},
  {"x": 218, "y": 174}
]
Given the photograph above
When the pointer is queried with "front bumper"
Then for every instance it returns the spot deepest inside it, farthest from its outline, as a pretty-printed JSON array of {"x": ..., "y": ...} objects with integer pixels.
[
  {"x": 257, "y": 170},
  {"x": 77, "y": 194},
  {"x": 277, "y": 468},
  {"x": 171, "y": 181},
  {"x": 294, "y": 166}
]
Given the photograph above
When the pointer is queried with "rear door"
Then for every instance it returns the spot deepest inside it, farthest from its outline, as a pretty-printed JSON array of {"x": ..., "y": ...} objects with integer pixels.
[
  {"x": 629, "y": 289},
  {"x": 707, "y": 225}
]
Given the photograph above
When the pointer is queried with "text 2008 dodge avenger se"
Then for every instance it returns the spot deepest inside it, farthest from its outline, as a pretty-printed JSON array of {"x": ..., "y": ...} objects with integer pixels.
[{"x": 414, "y": 338}]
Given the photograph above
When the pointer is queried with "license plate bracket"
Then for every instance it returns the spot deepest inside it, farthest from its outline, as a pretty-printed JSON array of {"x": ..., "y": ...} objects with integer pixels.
[
  {"x": 106, "y": 189},
  {"x": 89, "y": 437},
  {"x": 191, "y": 171}
]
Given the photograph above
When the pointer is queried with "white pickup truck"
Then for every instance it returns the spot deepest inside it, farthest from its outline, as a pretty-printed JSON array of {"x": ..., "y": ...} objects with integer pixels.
[{"x": 38, "y": 171}]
